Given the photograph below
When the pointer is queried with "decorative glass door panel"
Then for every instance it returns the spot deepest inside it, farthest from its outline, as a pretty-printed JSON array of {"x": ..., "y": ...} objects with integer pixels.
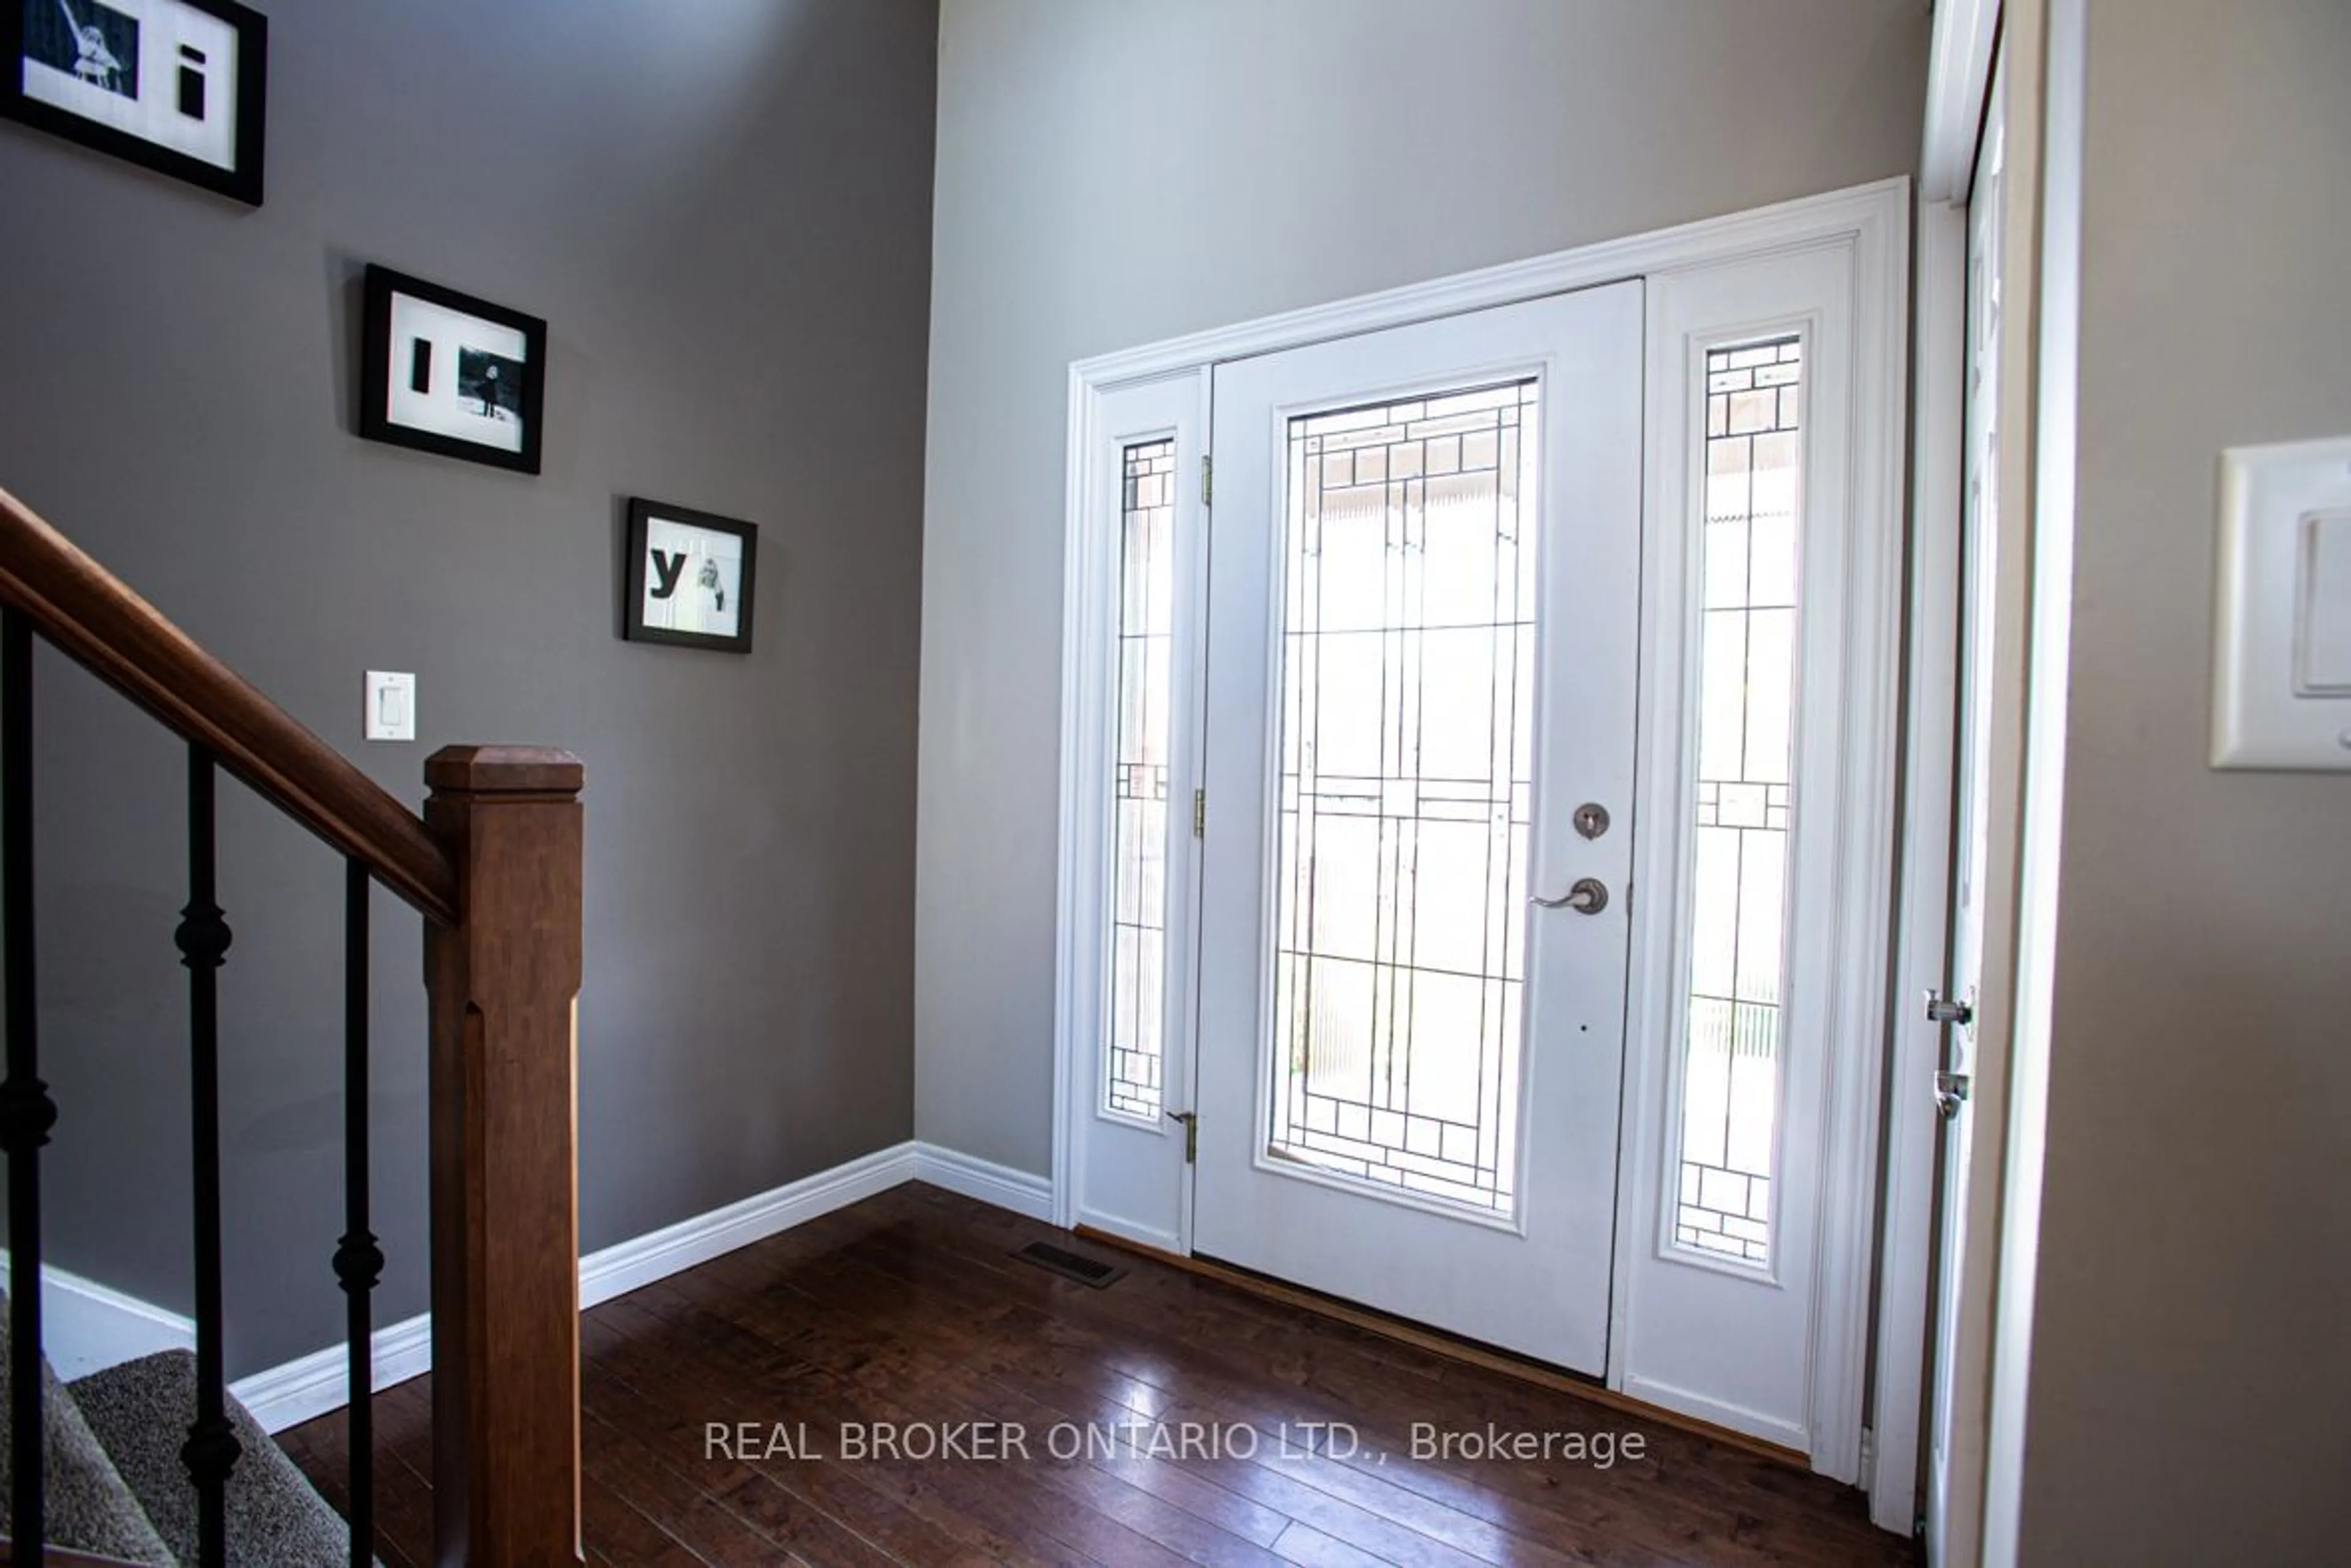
[
  {"x": 1135, "y": 1053},
  {"x": 1407, "y": 790},
  {"x": 1746, "y": 692}
]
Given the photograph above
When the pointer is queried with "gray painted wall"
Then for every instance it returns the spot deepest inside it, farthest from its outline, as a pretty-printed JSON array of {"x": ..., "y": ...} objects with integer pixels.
[
  {"x": 1112, "y": 175},
  {"x": 2190, "y": 1364},
  {"x": 723, "y": 209}
]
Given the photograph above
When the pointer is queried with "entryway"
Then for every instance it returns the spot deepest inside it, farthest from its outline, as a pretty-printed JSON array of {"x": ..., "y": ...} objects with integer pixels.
[{"x": 1479, "y": 735}]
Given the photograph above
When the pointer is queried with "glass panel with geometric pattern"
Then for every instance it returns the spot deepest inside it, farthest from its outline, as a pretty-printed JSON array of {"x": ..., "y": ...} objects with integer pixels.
[
  {"x": 1407, "y": 683},
  {"x": 1737, "y": 902},
  {"x": 1134, "y": 1077}
]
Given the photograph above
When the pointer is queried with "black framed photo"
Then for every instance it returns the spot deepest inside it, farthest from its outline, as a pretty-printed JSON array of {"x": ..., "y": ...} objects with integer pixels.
[
  {"x": 178, "y": 86},
  {"x": 691, "y": 577},
  {"x": 443, "y": 371}
]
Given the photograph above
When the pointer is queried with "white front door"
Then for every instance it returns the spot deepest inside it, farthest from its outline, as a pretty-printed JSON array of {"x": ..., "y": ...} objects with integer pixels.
[{"x": 1423, "y": 620}]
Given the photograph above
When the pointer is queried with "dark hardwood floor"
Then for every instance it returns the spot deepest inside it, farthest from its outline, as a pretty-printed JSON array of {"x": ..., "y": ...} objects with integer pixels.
[{"x": 906, "y": 1308}]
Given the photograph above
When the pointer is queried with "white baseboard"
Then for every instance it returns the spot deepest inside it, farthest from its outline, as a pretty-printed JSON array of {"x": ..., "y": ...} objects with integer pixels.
[
  {"x": 315, "y": 1384},
  {"x": 616, "y": 1271},
  {"x": 88, "y": 1327},
  {"x": 985, "y": 1181}
]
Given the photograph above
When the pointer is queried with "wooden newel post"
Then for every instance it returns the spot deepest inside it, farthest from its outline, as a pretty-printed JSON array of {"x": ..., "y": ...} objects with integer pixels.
[{"x": 505, "y": 984}]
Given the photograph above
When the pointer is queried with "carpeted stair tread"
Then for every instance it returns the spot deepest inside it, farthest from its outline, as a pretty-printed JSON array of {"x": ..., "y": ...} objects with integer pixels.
[
  {"x": 140, "y": 1410},
  {"x": 90, "y": 1506}
]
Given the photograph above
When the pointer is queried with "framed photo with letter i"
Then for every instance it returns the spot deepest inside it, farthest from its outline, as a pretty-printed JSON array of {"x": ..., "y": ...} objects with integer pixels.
[
  {"x": 446, "y": 373},
  {"x": 175, "y": 85}
]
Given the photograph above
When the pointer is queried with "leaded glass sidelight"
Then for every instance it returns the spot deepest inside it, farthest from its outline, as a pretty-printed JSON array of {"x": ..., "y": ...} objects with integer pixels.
[
  {"x": 1138, "y": 980},
  {"x": 1408, "y": 678},
  {"x": 1737, "y": 902}
]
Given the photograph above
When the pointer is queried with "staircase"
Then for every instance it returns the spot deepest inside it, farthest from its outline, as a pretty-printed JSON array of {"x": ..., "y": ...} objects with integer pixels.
[
  {"x": 118, "y": 1489},
  {"x": 153, "y": 1461}
]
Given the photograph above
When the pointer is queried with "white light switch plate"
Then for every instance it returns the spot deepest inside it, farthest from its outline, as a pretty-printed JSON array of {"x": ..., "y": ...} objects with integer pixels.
[
  {"x": 2282, "y": 620},
  {"x": 391, "y": 706}
]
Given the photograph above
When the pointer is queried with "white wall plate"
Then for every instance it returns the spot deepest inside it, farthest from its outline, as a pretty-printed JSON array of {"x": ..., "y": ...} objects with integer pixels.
[
  {"x": 390, "y": 698},
  {"x": 2281, "y": 619}
]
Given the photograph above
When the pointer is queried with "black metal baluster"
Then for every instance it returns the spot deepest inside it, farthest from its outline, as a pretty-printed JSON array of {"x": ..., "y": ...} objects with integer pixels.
[
  {"x": 211, "y": 1448},
  {"x": 358, "y": 1261},
  {"x": 26, "y": 1112}
]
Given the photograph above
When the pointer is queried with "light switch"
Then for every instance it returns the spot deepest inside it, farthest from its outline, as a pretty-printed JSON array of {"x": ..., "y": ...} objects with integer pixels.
[
  {"x": 2325, "y": 622},
  {"x": 391, "y": 706},
  {"x": 2281, "y": 623}
]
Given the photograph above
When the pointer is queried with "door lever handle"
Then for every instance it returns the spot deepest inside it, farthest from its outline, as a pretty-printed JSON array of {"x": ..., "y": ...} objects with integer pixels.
[{"x": 1588, "y": 896}]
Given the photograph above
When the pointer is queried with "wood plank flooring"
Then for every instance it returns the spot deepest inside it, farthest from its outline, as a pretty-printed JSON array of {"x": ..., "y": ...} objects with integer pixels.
[{"x": 1169, "y": 1419}]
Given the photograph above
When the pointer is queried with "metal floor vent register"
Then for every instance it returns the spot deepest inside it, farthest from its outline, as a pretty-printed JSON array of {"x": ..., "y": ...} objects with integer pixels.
[{"x": 1070, "y": 1265}]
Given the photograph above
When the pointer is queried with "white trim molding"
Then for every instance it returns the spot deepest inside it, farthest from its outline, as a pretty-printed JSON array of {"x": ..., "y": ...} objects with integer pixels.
[
  {"x": 983, "y": 1181},
  {"x": 1913, "y": 1130},
  {"x": 88, "y": 1327},
  {"x": 2055, "y": 386},
  {"x": 1763, "y": 229},
  {"x": 1958, "y": 75},
  {"x": 616, "y": 1271},
  {"x": 313, "y": 1385}
]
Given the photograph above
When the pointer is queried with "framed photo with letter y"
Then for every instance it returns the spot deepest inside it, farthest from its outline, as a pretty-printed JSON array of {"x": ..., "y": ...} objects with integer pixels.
[{"x": 691, "y": 578}]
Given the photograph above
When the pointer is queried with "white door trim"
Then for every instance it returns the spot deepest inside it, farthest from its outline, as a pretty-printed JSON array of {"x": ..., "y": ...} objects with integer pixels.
[
  {"x": 1913, "y": 1131},
  {"x": 1814, "y": 220},
  {"x": 1958, "y": 75},
  {"x": 1874, "y": 221}
]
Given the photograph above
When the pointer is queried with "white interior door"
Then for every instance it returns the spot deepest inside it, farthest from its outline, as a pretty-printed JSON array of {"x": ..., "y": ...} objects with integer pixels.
[
  {"x": 1971, "y": 843},
  {"x": 1424, "y": 616}
]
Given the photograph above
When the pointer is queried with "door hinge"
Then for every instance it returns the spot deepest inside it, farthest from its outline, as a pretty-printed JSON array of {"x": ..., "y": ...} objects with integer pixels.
[
  {"x": 1191, "y": 1120},
  {"x": 1942, "y": 1009},
  {"x": 1207, "y": 480},
  {"x": 1199, "y": 813}
]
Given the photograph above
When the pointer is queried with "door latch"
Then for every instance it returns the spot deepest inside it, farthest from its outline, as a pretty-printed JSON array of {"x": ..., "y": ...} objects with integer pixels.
[
  {"x": 1191, "y": 1120},
  {"x": 1940, "y": 1009},
  {"x": 1950, "y": 1093}
]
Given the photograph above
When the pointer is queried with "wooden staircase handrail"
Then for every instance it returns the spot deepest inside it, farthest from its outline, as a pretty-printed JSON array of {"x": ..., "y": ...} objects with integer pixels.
[
  {"x": 90, "y": 615},
  {"x": 493, "y": 863}
]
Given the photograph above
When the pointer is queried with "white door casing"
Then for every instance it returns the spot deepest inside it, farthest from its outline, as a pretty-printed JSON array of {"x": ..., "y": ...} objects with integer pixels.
[
  {"x": 1864, "y": 232},
  {"x": 1971, "y": 859},
  {"x": 1531, "y": 1272}
]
